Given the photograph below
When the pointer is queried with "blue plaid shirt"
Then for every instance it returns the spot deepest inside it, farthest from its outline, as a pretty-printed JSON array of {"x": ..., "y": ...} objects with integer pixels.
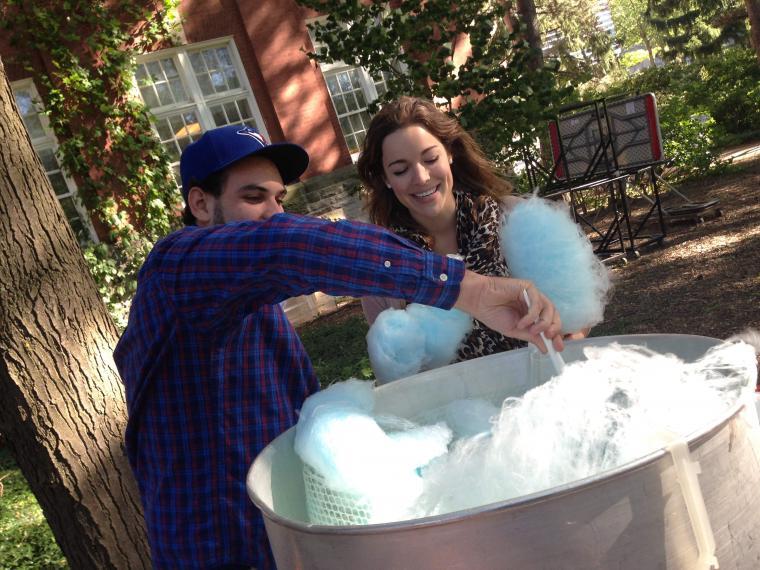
[{"x": 214, "y": 371}]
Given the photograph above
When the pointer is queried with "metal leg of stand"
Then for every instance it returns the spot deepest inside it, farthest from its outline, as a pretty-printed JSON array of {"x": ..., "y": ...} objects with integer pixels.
[{"x": 626, "y": 216}]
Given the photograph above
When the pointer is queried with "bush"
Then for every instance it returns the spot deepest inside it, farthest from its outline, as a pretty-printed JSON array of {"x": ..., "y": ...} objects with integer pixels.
[{"x": 690, "y": 137}]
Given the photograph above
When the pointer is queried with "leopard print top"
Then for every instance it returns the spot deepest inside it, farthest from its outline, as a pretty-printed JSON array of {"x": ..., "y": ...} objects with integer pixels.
[{"x": 478, "y": 221}]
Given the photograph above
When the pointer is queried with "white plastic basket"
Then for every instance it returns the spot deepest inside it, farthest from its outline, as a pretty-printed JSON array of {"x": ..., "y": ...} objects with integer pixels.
[{"x": 330, "y": 507}]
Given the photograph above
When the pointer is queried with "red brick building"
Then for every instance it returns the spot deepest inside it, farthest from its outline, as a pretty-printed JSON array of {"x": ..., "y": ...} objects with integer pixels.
[{"x": 235, "y": 62}]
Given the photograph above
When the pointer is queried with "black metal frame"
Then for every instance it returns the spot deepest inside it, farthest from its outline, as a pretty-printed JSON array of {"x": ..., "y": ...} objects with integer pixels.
[{"x": 588, "y": 141}]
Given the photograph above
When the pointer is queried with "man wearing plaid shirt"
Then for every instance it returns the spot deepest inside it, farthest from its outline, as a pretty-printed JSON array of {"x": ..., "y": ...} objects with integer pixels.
[{"x": 214, "y": 371}]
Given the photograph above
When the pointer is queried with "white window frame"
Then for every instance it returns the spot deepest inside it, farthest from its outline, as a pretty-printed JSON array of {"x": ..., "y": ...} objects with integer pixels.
[
  {"x": 49, "y": 142},
  {"x": 365, "y": 79},
  {"x": 199, "y": 102},
  {"x": 182, "y": 59}
]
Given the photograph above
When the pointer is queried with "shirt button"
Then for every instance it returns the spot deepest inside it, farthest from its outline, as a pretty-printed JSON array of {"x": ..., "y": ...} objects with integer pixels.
[
  {"x": 443, "y": 277},
  {"x": 387, "y": 263}
]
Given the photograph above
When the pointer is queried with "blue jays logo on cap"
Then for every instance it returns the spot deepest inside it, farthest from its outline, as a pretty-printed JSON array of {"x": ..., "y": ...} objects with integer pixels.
[
  {"x": 248, "y": 131},
  {"x": 222, "y": 147}
]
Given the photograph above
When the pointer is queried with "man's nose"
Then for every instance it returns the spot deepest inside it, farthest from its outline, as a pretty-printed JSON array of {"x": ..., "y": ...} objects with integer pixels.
[{"x": 273, "y": 206}]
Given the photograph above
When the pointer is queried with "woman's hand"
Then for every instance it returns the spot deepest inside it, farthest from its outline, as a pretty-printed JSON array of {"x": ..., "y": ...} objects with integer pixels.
[{"x": 498, "y": 303}]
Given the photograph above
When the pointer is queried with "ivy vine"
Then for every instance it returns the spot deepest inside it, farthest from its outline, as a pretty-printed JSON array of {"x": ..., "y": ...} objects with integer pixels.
[{"x": 87, "y": 49}]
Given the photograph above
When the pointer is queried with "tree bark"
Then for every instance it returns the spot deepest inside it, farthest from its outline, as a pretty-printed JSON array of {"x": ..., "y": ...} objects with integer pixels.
[
  {"x": 753, "y": 11},
  {"x": 527, "y": 10},
  {"x": 62, "y": 406}
]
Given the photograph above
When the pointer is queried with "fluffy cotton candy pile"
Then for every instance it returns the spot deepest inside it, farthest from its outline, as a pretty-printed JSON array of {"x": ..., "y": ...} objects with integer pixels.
[
  {"x": 402, "y": 342},
  {"x": 541, "y": 243},
  {"x": 615, "y": 407},
  {"x": 338, "y": 437}
]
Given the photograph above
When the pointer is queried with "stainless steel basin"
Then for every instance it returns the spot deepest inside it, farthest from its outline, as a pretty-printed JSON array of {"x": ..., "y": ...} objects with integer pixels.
[{"x": 634, "y": 516}]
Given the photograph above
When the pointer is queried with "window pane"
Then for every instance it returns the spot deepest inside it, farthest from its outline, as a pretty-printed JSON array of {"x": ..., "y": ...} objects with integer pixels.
[
  {"x": 177, "y": 124},
  {"x": 24, "y": 103},
  {"x": 353, "y": 146},
  {"x": 245, "y": 110},
  {"x": 223, "y": 56},
  {"x": 232, "y": 79},
  {"x": 196, "y": 60},
  {"x": 205, "y": 82},
  {"x": 34, "y": 126},
  {"x": 340, "y": 105},
  {"x": 59, "y": 184},
  {"x": 149, "y": 96},
  {"x": 355, "y": 81},
  {"x": 141, "y": 76},
  {"x": 178, "y": 90},
  {"x": 208, "y": 57},
  {"x": 356, "y": 123},
  {"x": 169, "y": 69},
  {"x": 184, "y": 142},
  {"x": 164, "y": 131},
  {"x": 83, "y": 236},
  {"x": 345, "y": 126},
  {"x": 360, "y": 137},
  {"x": 332, "y": 85},
  {"x": 351, "y": 102},
  {"x": 344, "y": 81},
  {"x": 48, "y": 160},
  {"x": 172, "y": 150},
  {"x": 217, "y": 79},
  {"x": 69, "y": 209},
  {"x": 232, "y": 112},
  {"x": 154, "y": 69},
  {"x": 220, "y": 119},
  {"x": 360, "y": 98},
  {"x": 164, "y": 95}
]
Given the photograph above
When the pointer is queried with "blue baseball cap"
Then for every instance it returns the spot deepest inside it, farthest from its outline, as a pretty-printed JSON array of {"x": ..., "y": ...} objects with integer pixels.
[{"x": 219, "y": 148}]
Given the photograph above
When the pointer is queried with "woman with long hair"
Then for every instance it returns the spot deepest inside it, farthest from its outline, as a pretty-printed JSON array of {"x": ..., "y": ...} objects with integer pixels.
[{"x": 430, "y": 182}]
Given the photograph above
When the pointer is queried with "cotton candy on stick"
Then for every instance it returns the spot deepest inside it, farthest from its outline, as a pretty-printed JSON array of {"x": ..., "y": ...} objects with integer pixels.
[{"x": 541, "y": 243}]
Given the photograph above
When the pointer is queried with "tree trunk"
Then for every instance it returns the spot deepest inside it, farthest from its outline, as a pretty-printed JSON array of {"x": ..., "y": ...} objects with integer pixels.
[
  {"x": 753, "y": 11},
  {"x": 62, "y": 406},
  {"x": 527, "y": 10},
  {"x": 647, "y": 43}
]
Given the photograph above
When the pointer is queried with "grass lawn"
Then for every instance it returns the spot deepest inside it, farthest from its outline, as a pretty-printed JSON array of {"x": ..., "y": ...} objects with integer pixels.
[{"x": 26, "y": 542}]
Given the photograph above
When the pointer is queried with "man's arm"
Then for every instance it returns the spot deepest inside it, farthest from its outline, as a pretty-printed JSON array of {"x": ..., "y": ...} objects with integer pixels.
[{"x": 211, "y": 275}]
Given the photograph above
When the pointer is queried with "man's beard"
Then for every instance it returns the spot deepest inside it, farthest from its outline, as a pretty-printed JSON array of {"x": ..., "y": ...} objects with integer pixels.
[{"x": 218, "y": 218}]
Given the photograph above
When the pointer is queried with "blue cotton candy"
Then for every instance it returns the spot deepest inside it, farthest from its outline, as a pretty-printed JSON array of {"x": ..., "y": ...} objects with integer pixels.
[
  {"x": 396, "y": 345},
  {"x": 337, "y": 436},
  {"x": 444, "y": 331},
  {"x": 402, "y": 342},
  {"x": 541, "y": 243}
]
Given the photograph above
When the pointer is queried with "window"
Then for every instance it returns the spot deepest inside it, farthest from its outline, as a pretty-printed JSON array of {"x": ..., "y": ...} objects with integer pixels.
[
  {"x": 351, "y": 88},
  {"x": 195, "y": 88},
  {"x": 45, "y": 145}
]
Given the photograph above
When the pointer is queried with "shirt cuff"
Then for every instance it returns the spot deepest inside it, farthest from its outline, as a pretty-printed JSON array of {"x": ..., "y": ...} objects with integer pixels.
[{"x": 440, "y": 281}]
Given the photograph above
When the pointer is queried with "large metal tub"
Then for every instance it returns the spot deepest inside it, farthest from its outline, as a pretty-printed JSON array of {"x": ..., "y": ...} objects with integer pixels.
[{"x": 633, "y": 517}]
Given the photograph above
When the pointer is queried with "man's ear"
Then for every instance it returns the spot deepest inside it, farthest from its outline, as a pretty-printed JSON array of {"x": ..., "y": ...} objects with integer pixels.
[{"x": 201, "y": 205}]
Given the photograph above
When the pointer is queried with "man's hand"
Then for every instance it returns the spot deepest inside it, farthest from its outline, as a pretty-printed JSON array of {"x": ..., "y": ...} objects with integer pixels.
[{"x": 498, "y": 303}]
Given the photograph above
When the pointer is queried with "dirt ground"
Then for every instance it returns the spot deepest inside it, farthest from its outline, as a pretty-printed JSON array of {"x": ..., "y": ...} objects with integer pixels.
[{"x": 705, "y": 277}]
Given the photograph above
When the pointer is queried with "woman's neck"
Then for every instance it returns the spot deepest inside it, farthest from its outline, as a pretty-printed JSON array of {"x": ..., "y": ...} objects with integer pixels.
[{"x": 443, "y": 231}]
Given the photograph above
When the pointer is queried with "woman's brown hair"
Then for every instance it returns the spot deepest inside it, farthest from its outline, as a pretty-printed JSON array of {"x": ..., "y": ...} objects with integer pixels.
[{"x": 472, "y": 171}]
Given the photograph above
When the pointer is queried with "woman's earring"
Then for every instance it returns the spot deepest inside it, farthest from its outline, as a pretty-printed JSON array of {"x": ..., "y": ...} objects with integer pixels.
[
  {"x": 451, "y": 160},
  {"x": 388, "y": 186}
]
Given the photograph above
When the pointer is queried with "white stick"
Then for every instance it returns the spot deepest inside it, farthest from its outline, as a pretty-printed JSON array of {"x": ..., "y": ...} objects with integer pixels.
[{"x": 557, "y": 361}]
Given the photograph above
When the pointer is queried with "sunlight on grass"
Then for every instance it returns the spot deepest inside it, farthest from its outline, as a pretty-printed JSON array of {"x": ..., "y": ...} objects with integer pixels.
[{"x": 26, "y": 541}]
